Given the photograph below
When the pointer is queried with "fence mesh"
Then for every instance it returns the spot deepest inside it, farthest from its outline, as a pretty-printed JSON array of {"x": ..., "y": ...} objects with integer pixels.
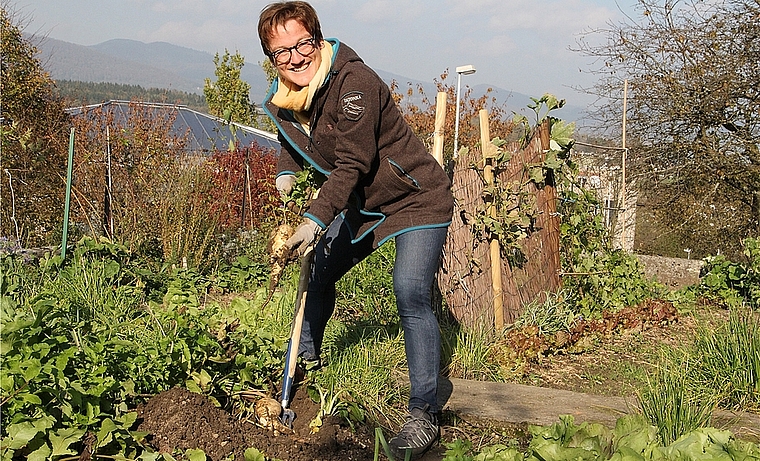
[{"x": 527, "y": 274}]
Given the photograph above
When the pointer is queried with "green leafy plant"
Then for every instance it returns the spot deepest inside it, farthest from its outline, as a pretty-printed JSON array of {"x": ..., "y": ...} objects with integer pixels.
[
  {"x": 365, "y": 294},
  {"x": 243, "y": 274},
  {"x": 329, "y": 405},
  {"x": 360, "y": 362},
  {"x": 550, "y": 316},
  {"x": 228, "y": 96},
  {"x": 632, "y": 439},
  {"x": 253, "y": 342},
  {"x": 544, "y": 105},
  {"x": 18, "y": 281},
  {"x": 462, "y": 450},
  {"x": 305, "y": 189},
  {"x": 596, "y": 276},
  {"x": 88, "y": 344},
  {"x": 508, "y": 212},
  {"x": 734, "y": 282},
  {"x": 252, "y": 454},
  {"x": 56, "y": 385},
  {"x": 468, "y": 353}
]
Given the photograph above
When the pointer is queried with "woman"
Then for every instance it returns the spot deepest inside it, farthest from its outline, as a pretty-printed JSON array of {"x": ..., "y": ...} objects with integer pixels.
[{"x": 334, "y": 113}]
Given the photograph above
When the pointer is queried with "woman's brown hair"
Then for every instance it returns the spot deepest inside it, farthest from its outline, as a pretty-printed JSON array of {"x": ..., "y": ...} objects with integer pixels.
[{"x": 277, "y": 14}]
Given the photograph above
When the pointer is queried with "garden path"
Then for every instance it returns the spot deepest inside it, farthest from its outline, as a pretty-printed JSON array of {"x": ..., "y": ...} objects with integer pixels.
[{"x": 517, "y": 403}]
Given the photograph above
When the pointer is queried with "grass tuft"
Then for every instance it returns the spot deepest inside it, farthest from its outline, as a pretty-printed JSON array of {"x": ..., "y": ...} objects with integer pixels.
[
  {"x": 469, "y": 353},
  {"x": 728, "y": 360},
  {"x": 672, "y": 402}
]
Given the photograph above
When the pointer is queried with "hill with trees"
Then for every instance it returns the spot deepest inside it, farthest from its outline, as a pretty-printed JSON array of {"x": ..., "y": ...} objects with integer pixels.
[
  {"x": 130, "y": 62},
  {"x": 77, "y": 93}
]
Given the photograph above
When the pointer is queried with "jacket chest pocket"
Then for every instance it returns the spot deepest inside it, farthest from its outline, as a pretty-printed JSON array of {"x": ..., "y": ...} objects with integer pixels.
[{"x": 323, "y": 141}]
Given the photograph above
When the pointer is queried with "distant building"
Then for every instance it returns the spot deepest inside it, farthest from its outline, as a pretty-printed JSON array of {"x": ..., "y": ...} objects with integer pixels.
[{"x": 602, "y": 174}]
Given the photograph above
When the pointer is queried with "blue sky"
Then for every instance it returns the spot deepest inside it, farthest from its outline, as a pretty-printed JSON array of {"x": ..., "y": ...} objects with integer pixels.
[{"x": 518, "y": 45}]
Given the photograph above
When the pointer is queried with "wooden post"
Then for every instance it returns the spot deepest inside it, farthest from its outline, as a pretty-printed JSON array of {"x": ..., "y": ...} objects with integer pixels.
[
  {"x": 495, "y": 249},
  {"x": 440, "y": 118},
  {"x": 551, "y": 218}
]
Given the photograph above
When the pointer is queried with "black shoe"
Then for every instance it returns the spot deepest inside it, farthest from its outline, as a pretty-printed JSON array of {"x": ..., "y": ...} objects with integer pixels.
[{"x": 418, "y": 434}]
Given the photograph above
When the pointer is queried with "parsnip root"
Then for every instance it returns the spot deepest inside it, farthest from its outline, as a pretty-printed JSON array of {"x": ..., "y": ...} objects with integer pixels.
[{"x": 279, "y": 256}]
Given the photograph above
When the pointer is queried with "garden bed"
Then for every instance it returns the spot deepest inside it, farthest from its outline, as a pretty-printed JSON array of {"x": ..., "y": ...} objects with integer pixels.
[
  {"x": 178, "y": 420},
  {"x": 610, "y": 365}
]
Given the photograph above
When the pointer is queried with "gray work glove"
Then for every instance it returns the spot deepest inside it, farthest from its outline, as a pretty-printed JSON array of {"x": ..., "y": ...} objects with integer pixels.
[
  {"x": 285, "y": 183},
  {"x": 304, "y": 236}
]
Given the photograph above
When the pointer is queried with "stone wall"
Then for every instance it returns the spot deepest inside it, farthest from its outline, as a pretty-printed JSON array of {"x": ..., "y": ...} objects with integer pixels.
[{"x": 675, "y": 273}]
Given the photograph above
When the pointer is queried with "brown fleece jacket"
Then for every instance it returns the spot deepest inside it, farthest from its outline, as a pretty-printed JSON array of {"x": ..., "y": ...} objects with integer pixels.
[{"x": 378, "y": 172}]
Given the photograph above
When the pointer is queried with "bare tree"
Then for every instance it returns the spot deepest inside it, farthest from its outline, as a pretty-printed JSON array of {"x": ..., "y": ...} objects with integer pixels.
[{"x": 693, "y": 112}]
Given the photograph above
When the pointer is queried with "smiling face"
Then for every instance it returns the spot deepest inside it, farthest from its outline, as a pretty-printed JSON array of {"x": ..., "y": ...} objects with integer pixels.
[{"x": 300, "y": 69}]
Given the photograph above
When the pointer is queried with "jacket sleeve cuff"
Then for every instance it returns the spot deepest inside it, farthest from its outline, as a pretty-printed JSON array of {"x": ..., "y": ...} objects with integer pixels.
[{"x": 316, "y": 220}]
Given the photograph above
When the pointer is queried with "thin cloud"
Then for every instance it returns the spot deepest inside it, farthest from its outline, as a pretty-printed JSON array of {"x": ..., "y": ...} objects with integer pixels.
[
  {"x": 389, "y": 11},
  {"x": 554, "y": 16},
  {"x": 184, "y": 6},
  {"x": 533, "y": 14},
  {"x": 498, "y": 46},
  {"x": 213, "y": 35},
  {"x": 512, "y": 43}
]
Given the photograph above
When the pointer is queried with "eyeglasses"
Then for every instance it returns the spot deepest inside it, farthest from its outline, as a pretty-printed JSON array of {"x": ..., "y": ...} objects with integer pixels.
[{"x": 305, "y": 48}]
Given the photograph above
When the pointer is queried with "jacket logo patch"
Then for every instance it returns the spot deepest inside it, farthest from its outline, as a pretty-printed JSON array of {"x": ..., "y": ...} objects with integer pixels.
[{"x": 353, "y": 105}]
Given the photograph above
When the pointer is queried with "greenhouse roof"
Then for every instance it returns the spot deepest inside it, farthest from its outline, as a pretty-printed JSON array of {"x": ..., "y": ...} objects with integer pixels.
[{"x": 206, "y": 133}]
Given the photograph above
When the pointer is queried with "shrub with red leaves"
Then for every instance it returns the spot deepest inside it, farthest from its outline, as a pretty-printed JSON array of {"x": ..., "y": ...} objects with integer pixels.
[{"x": 244, "y": 193}]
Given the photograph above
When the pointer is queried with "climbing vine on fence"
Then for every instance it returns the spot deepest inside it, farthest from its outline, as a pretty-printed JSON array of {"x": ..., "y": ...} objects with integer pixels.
[{"x": 515, "y": 207}]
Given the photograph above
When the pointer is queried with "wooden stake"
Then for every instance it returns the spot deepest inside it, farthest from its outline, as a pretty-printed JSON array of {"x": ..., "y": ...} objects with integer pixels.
[
  {"x": 250, "y": 197},
  {"x": 440, "y": 118},
  {"x": 495, "y": 249}
]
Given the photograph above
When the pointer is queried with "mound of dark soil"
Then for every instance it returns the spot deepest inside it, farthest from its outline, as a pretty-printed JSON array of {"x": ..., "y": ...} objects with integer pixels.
[{"x": 179, "y": 419}]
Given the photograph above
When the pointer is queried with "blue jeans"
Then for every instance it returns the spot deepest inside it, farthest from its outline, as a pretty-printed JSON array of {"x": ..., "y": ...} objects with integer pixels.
[{"x": 418, "y": 255}]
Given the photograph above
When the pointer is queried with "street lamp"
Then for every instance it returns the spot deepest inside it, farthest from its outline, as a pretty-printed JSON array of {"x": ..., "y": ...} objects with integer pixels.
[{"x": 461, "y": 70}]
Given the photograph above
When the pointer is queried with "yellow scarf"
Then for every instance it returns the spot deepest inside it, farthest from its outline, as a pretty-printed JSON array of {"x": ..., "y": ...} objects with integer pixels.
[{"x": 299, "y": 99}]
